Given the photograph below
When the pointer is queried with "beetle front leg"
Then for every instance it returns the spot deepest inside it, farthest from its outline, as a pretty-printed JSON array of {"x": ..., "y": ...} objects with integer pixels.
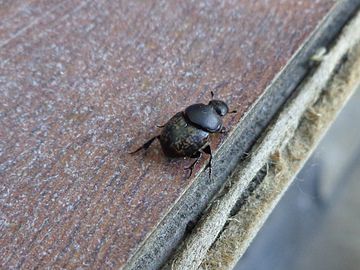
[{"x": 207, "y": 150}]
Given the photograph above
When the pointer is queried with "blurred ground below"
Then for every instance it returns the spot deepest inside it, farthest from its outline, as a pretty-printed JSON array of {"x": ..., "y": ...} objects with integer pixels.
[{"x": 316, "y": 225}]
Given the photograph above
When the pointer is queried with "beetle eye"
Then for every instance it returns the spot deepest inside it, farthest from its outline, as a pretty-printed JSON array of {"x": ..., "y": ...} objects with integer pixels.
[{"x": 219, "y": 106}]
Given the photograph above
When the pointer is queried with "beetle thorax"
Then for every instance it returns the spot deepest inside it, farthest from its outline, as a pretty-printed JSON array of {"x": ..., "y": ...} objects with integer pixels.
[{"x": 204, "y": 117}]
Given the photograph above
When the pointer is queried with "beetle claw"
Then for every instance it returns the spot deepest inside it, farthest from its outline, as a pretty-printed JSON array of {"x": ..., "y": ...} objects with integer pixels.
[
  {"x": 191, "y": 170},
  {"x": 224, "y": 130}
]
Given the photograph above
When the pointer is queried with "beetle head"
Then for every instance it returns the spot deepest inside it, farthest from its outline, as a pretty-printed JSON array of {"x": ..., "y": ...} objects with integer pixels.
[{"x": 219, "y": 106}]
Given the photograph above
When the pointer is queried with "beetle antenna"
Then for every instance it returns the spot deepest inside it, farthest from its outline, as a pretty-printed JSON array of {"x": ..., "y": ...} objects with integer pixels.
[{"x": 212, "y": 94}]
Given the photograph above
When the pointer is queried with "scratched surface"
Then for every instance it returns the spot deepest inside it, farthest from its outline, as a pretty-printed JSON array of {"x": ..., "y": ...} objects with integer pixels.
[{"x": 84, "y": 82}]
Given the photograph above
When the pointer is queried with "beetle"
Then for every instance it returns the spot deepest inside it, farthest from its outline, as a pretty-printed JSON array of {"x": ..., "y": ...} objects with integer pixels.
[{"x": 186, "y": 134}]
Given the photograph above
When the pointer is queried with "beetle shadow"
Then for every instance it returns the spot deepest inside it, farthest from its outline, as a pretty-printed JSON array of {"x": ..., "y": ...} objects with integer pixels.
[{"x": 154, "y": 155}]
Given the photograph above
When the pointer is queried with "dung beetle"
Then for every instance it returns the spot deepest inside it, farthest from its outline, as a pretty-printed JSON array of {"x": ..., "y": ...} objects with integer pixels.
[{"x": 186, "y": 134}]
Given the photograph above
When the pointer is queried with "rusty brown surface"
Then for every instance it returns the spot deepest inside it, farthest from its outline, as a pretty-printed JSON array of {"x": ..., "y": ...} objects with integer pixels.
[{"x": 84, "y": 82}]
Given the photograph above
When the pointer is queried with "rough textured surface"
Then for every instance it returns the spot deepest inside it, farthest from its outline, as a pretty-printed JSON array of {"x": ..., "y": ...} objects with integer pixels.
[{"x": 84, "y": 82}]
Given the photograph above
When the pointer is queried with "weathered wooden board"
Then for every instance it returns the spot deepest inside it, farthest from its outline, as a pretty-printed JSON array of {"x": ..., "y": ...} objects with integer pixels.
[{"x": 84, "y": 82}]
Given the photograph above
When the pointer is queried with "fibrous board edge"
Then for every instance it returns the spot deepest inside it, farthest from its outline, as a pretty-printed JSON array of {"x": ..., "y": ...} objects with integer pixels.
[{"x": 282, "y": 167}]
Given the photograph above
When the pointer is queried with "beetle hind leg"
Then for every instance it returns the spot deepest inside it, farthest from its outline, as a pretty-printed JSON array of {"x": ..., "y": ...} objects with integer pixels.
[{"x": 145, "y": 145}]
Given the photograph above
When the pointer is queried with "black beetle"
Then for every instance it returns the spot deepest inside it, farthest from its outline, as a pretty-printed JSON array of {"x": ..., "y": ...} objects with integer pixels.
[{"x": 186, "y": 134}]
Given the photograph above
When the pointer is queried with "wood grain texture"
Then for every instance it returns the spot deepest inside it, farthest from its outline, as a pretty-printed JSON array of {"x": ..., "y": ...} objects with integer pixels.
[{"x": 84, "y": 82}]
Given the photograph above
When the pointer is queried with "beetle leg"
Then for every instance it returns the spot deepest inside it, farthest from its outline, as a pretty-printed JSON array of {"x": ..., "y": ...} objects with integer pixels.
[
  {"x": 207, "y": 150},
  {"x": 197, "y": 155},
  {"x": 145, "y": 145},
  {"x": 223, "y": 130}
]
